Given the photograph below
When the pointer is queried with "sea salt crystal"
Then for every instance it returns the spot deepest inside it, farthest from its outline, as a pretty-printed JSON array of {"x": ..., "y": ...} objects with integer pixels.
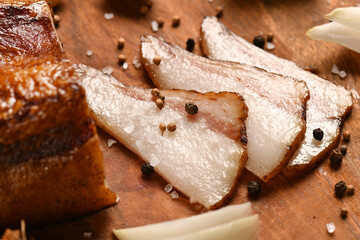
[
  {"x": 270, "y": 46},
  {"x": 108, "y": 70},
  {"x": 342, "y": 74},
  {"x": 335, "y": 69},
  {"x": 89, "y": 53},
  {"x": 110, "y": 142},
  {"x": 109, "y": 16},
  {"x": 174, "y": 195},
  {"x": 154, "y": 161},
  {"x": 168, "y": 188},
  {"x": 125, "y": 65},
  {"x": 330, "y": 227},
  {"x": 87, "y": 234},
  {"x": 136, "y": 63},
  {"x": 154, "y": 26}
]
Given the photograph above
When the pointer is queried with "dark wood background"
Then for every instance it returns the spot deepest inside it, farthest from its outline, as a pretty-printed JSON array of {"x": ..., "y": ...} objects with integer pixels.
[{"x": 296, "y": 208}]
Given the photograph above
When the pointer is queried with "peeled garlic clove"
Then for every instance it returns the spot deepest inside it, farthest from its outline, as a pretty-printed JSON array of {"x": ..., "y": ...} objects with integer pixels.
[
  {"x": 337, "y": 33},
  {"x": 349, "y": 16},
  {"x": 190, "y": 225}
]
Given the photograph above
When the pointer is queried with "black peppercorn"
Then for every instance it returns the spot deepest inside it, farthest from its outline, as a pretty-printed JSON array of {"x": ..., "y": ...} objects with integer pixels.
[
  {"x": 191, "y": 108},
  {"x": 343, "y": 149},
  {"x": 259, "y": 41},
  {"x": 253, "y": 187},
  {"x": 340, "y": 189},
  {"x": 335, "y": 158},
  {"x": 318, "y": 134},
  {"x": 147, "y": 169},
  {"x": 190, "y": 44}
]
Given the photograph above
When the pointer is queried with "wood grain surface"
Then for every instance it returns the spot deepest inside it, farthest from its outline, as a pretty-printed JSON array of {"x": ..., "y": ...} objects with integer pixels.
[{"x": 289, "y": 208}]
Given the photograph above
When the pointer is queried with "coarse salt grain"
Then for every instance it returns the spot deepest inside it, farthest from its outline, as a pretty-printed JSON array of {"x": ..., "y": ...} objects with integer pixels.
[
  {"x": 125, "y": 66},
  {"x": 154, "y": 26},
  {"x": 342, "y": 74},
  {"x": 109, "y": 16},
  {"x": 136, "y": 63},
  {"x": 89, "y": 53},
  {"x": 270, "y": 46},
  {"x": 330, "y": 227},
  {"x": 335, "y": 69},
  {"x": 108, "y": 70},
  {"x": 87, "y": 234},
  {"x": 174, "y": 195},
  {"x": 168, "y": 188},
  {"x": 110, "y": 142}
]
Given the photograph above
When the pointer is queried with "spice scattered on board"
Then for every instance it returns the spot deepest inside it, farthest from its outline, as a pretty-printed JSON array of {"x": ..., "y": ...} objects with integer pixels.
[
  {"x": 350, "y": 190},
  {"x": 121, "y": 43},
  {"x": 147, "y": 169},
  {"x": 121, "y": 58},
  {"x": 89, "y": 53},
  {"x": 109, "y": 16},
  {"x": 57, "y": 20},
  {"x": 343, "y": 150},
  {"x": 346, "y": 135},
  {"x": 175, "y": 21},
  {"x": 168, "y": 188},
  {"x": 253, "y": 187},
  {"x": 219, "y": 11},
  {"x": 160, "y": 22},
  {"x": 162, "y": 127},
  {"x": 330, "y": 227},
  {"x": 335, "y": 158},
  {"x": 340, "y": 189},
  {"x": 171, "y": 127},
  {"x": 157, "y": 60},
  {"x": 344, "y": 212},
  {"x": 259, "y": 41},
  {"x": 159, "y": 103}
]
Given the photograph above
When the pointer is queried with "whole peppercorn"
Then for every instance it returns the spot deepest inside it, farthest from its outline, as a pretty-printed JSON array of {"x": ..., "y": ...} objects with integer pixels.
[
  {"x": 160, "y": 22},
  {"x": 171, "y": 127},
  {"x": 121, "y": 43},
  {"x": 340, "y": 189},
  {"x": 191, "y": 108},
  {"x": 343, "y": 212},
  {"x": 155, "y": 92},
  {"x": 259, "y": 41},
  {"x": 346, "y": 135},
  {"x": 122, "y": 58},
  {"x": 350, "y": 190},
  {"x": 318, "y": 134},
  {"x": 157, "y": 60},
  {"x": 343, "y": 149},
  {"x": 219, "y": 11},
  {"x": 190, "y": 44},
  {"x": 159, "y": 103},
  {"x": 335, "y": 158},
  {"x": 147, "y": 169},
  {"x": 175, "y": 21},
  {"x": 253, "y": 187}
]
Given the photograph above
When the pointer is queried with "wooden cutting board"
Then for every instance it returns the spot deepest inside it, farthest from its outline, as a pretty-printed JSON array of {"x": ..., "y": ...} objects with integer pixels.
[{"x": 296, "y": 208}]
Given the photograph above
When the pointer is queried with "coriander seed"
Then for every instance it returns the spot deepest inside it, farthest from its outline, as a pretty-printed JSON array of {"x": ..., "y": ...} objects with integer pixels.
[
  {"x": 171, "y": 127},
  {"x": 350, "y": 190},
  {"x": 175, "y": 21},
  {"x": 160, "y": 22},
  {"x": 318, "y": 134},
  {"x": 253, "y": 187},
  {"x": 57, "y": 20},
  {"x": 335, "y": 158},
  {"x": 259, "y": 41},
  {"x": 147, "y": 169},
  {"x": 162, "y": 128},
  {"x": 144, "y": 10},
  {"x": 219, "y": 11},
  {"x": 155, "y": 92},
  {"x": 157, "y": 60},
  {"x": 343, "y": 149},
  {"x": 122, "y": 58},
  {"x": 190, "y": 44},
  {"x": 121, "y": 43},
  {"x": 159, "y": 103},
  {"x": 346, "y": 135},
  {"x": 344, "y": 212},
  {"x": 191, "y": 108},
  {"x": 340, "y": 189}
]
